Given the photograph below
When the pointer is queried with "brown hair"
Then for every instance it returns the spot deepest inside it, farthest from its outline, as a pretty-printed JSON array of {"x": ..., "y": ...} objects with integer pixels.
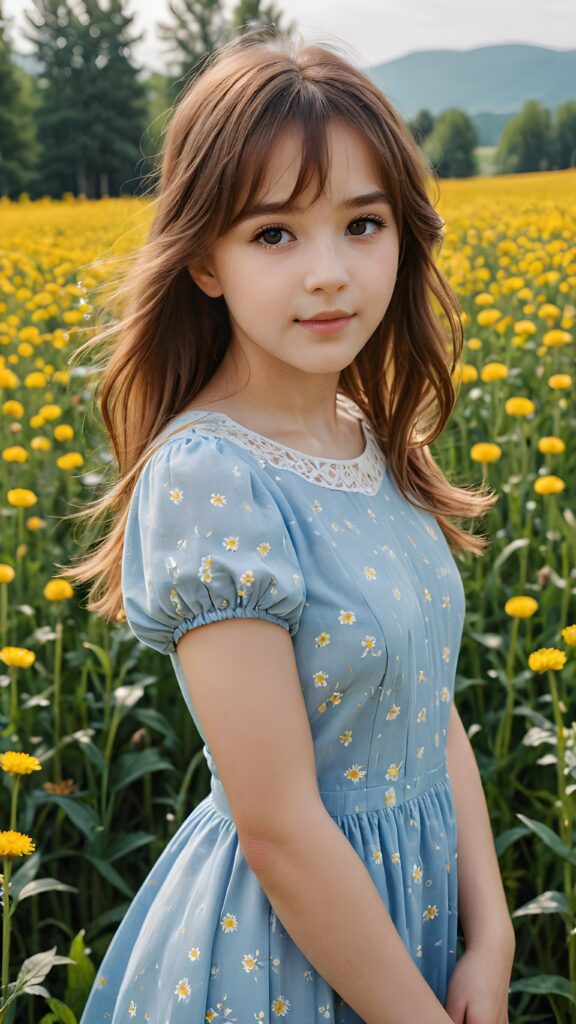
[{"x": 172, "y": 336}]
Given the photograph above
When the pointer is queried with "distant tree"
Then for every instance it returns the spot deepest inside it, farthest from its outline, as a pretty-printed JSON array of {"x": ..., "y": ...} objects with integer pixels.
[
  {"x": 249, "y": 14},
  {"x": 421, "y": 125},
  {"x": 565, "y": 131},
  {"x": 93, "y": 105},
  {"x": 451, "y": 145},
  {"x": 18, "y": 141},
  {"x": 527, "y": 142},
  {"x": 199, "y": 27}
]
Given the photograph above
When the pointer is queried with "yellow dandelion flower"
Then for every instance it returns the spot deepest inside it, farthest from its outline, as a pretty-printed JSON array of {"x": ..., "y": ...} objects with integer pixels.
[
  {"x": 16, "y": 453},
  {"x": 70, "y": 460},
  {"x": 519, "y": 406},
  {"x": 34, "y": 523},
  {"x": 41, "y": 443},
  {"x": 487, "y": 317},
  {"x": 18, "y": 657},
  {"x": 551, "y": 445},
  {"x": 560, "y": 381},
  {"x": 484, "y": 299},
  {"x": 16, "y": 763},
  {"x": 50, "y": 412},
  {"x": 485, "y": 451},
  {"x": 15, "y": 844},
  {"x": 8, "y": 378},
  {"x": 493, "y": 371},
  {"x": 569, "y": 635},
  {"x": 63, "y": 432},
  {"x": 35, "y": 380},
  {"x": 21, "y": 497},
  {"x": 547, "y": 658},
  {"x": 465, "y": 372},
  {"x": 521, "y": 607},
  {"x": 7, "y": 573},
  {"x": 58, "y": 590},
  {"x": 556, "y": 338},
  {"x": 549, "y": 484},
  {"x": 13, "y": 408},
  {"x": 525, "y": 327},
  {"x": 548, "y": 311}
]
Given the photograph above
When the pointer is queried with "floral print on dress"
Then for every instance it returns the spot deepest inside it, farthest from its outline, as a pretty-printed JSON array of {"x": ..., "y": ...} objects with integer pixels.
[{"x": 220, "y": 526}]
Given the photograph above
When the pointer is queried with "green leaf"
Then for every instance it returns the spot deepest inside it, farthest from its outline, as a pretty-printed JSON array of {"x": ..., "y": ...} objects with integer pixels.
[
  {"x": 25, "y": 874},
  {"x": 32, "y": 972},
  {"x": 120, "y": 846},
  {"x": 550, "y": 838},
  {"x": 42, "y": 885},
  {"x": 507, "y": 838},
  {"x": 549, "y": 902},
  {"x": 63, "y": 1013},
  {"x": 111, "y": 875},
  {"x": 80, "y": 974},
  {"x": 102, "y": 655},
  {"x": 133, "y": 765},
  {"x": 544, "y": 984},
  {"x": 81, "y": 815},
  {"x": 154, "y": 720}
]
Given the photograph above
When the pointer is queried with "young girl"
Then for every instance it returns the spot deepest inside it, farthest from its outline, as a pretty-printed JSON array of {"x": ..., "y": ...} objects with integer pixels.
[{"x": 281, "y": 532}]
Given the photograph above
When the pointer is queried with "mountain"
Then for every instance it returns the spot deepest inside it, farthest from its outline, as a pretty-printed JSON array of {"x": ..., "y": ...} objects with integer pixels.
[{"x": 485, "y": 80}]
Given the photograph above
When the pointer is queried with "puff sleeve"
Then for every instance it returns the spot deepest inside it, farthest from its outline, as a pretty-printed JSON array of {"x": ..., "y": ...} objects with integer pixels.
[{"x": 205, "y": 540}]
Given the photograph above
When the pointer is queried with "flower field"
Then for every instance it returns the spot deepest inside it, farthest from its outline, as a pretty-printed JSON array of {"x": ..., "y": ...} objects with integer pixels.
[{"x": 99, "y": 766}]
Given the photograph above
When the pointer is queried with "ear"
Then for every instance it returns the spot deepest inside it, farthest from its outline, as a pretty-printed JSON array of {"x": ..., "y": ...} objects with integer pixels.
[{"x": 206, "y": 280}]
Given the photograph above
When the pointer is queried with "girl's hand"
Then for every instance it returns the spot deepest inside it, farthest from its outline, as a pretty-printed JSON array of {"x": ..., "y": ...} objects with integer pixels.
[{"x": 478, "y": 986}]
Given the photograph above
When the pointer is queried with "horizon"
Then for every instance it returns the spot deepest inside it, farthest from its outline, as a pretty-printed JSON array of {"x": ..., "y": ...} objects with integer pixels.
[{"x": 379, "y": 31}]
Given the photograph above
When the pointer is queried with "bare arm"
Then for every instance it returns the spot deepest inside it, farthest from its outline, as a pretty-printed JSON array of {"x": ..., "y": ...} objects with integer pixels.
[
  {"x": 482, "y": 906},
  {"x": 243, "y": 680}
]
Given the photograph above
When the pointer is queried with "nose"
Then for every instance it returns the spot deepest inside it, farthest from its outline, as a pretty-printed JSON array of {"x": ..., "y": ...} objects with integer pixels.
[{"x": 325, "y": 268}]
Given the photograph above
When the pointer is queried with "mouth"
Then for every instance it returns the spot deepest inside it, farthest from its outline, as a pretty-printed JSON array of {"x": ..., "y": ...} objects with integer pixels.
[{"x": 327, "y": 325}]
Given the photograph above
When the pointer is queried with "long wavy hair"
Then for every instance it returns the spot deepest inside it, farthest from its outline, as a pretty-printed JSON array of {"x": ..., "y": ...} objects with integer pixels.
[{"x": 171, "y": 337}]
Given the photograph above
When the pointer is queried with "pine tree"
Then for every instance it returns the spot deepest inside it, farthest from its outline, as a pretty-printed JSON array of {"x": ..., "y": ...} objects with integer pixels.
[
  {"x": 18, "y": 144},
  {"x": 94, "y": 106}
]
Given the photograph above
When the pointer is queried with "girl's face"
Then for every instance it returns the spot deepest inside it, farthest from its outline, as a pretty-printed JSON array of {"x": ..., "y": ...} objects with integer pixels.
[{"x": 277, "y": 269}]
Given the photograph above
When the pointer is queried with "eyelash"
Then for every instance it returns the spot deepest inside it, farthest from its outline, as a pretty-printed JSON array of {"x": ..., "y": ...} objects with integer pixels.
[{"x": 373, "y": 218}]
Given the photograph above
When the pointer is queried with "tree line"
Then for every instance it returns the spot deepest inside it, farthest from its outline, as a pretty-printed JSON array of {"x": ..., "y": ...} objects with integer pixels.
[{"x": 90, "y": 120}]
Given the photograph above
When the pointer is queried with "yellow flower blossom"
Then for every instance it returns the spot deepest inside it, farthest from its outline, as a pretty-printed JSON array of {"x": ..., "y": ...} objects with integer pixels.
[
  {"x": 548, "y": 311},
  {"x": 519, "y": 406},
  {"x": 521, "y": 607},
  {"x": 7, "y": 573},
  {"x": 18, "y": 657},
  {"x": 13, "y": 408},
  {"x": 549, "y": 484},
  {"x": 16, "y": 453},
  {"x": 17, "y": 763},
  {"x": 70, "y": 460},
  {"x": 560, "y": 381},
  {"x": 58, "y": 590},
  {"x": 15, "y": 844},
  {"x": 493, "y": 371},
  {"x": 21, "y": 497},
  {"x": 569, "y": 635},
  {"x": 551, "y": 445},
  {"x": 485, "y": 451},
  {"x": 547, "y": 658}
]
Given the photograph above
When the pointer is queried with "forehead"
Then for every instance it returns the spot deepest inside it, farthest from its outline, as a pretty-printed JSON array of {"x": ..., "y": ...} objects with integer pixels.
[{"x": 351, "y": 168}]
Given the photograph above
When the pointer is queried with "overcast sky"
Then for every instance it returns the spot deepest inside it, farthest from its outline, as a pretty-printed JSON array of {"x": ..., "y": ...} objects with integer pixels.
[{"x": 380, "y": 30}]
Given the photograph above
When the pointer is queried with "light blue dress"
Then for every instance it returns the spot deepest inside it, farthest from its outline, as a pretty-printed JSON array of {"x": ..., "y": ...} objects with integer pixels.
[{"x": 226, "y": 523}]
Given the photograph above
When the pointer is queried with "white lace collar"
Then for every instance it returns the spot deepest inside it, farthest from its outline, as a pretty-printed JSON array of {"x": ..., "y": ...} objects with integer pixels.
[{"x": 363, "y": 473}]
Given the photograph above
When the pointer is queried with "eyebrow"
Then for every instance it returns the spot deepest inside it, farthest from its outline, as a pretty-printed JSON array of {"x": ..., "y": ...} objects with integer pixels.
[{"x": 264, "y": 208}]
